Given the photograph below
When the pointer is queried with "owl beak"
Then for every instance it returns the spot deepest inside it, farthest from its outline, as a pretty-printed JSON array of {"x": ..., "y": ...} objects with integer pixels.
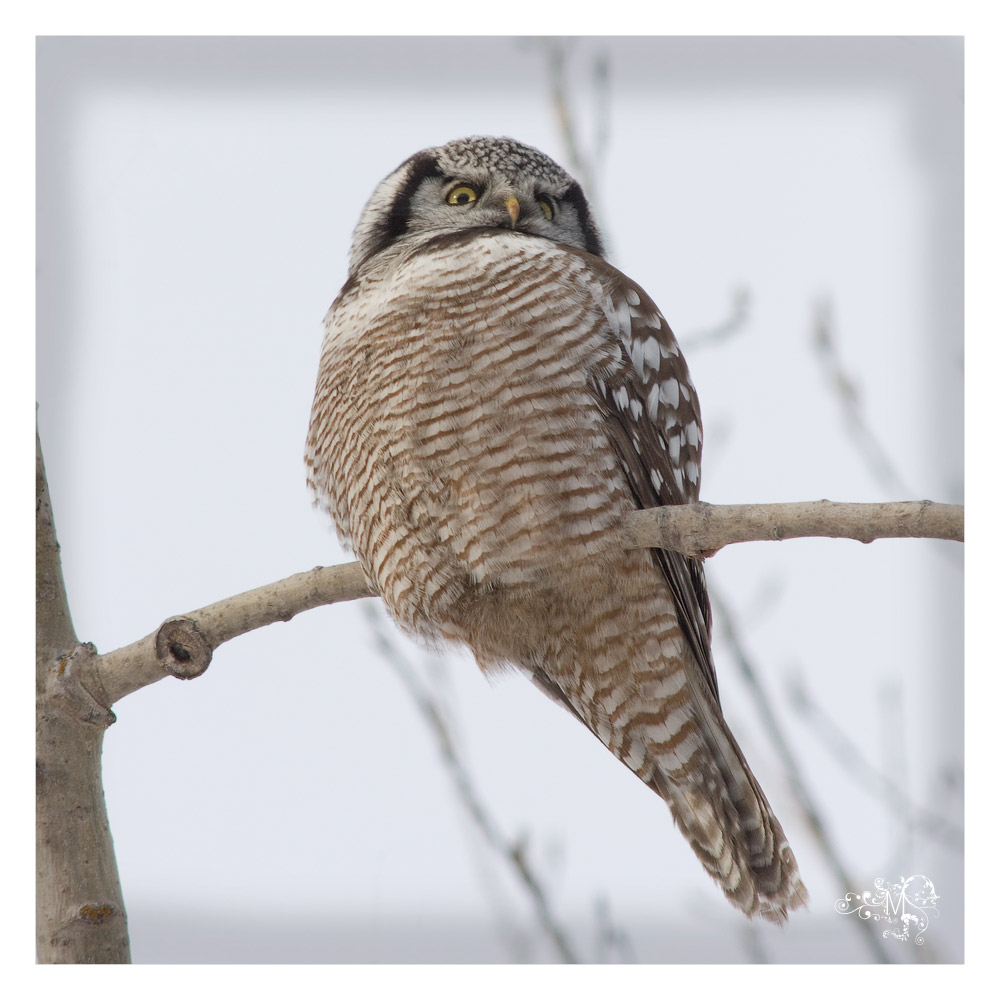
[{"x": 513, "y": 207}]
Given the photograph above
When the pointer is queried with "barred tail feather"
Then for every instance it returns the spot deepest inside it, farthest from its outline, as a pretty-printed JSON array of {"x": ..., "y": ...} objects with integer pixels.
[{"x": 722, "y": 811}]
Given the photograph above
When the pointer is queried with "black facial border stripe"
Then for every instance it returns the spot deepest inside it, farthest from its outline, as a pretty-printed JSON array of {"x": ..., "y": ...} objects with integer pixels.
[
  {"x": 591, "y": 237},
  {"x": 394, "y": 224}
]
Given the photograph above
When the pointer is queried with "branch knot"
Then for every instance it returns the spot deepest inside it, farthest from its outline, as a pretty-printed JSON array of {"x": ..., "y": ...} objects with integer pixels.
[
  {"x": 182, "y": 649},
  {"x": 74, "y": 683}
]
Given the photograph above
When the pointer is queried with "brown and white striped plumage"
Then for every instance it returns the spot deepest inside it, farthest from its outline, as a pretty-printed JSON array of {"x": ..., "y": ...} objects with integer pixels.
[{"x": 492, "y": 397}]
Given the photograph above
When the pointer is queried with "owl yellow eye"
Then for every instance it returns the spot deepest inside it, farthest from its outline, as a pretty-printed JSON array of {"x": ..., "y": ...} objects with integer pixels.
[
  {"x": 462, "y": 195},
  {"x": 546, "y": 206}
]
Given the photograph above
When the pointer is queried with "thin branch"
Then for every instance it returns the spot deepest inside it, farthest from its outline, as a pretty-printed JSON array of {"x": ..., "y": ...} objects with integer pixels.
[
  {"x": 853, "y": 760},
  {"x": 720, "y": 333},
  {"x": 601, "y": 79},
  {"x": 583, "y": 166},
  {"x": 701, "y": 529},
  {"x": 611, "y": 937},
  {"x": 556, "y": 52},
  {"x": 848, "y": 395},
  {"x": 183, "y": 645},
  {"x": 512, "y": 853},
  {"x": 750, "y": 937},
  {"x": 728, "y": 631}
]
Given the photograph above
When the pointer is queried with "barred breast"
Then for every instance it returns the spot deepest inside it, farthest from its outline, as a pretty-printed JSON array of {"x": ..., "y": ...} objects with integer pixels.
[{"x": 454, "y": 438}]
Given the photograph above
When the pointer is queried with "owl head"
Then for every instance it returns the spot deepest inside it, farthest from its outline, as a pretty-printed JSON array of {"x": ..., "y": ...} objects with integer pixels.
[{"x": 476, "y": 183}]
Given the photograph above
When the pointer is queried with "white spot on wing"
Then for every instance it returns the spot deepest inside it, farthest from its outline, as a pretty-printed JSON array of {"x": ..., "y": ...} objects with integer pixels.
[
  {"x": 636, "y": 353},
  {"x": 653, "y": 401},
  {"x": 651, "y": 353},
  {"x": 619, "y": 317},
  {"x": 670, "y": 391}
]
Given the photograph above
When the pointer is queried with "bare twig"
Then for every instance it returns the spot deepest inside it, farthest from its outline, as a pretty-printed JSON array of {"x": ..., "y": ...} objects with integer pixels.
[
  {"x": 700, "y": 529},
  {"x": 848, "y": 395},
  {"x": 583, "y": 166},
  {"x": 512, "y": 853},
  {"x": 602, "y": 110},
  {"x": 611, "y": 937},
  {"x": 578, "y": 164},
  {"x": 851, "y": 758},
  {"x": 730, "y": 326},
  {"x": 730, "y": 635},
  {"x": 750, "y": 936}
]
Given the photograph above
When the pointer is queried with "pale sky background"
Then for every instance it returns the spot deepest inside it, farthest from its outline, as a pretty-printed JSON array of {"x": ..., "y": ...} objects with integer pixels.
[{"x": 195, "y": 204}]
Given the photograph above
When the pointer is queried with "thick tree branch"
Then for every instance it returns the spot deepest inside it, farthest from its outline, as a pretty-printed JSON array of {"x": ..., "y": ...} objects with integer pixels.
[
  {"x": 701, "y": 529},
  {"x": 183, "y": 646},
  {"x": 80, "y": 914}
]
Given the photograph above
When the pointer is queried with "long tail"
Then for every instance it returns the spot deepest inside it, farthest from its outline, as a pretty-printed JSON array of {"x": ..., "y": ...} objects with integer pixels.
[
  {"x": 721, "y": 809},
  {"x": 619, "y": 661},
  {"x": 681, "y": 747},
  {"x": 667, "y": 727}
]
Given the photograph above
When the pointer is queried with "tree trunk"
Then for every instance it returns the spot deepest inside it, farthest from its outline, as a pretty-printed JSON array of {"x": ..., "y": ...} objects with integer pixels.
[{"x": 80, "y": 911}]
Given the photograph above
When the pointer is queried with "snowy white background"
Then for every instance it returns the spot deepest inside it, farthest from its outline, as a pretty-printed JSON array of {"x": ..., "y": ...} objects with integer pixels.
[{"x": 195, "y": 204}]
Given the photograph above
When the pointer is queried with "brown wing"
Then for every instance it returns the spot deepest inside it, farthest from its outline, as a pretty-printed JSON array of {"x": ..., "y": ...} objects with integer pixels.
[{"x": 654, "y": 425}]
